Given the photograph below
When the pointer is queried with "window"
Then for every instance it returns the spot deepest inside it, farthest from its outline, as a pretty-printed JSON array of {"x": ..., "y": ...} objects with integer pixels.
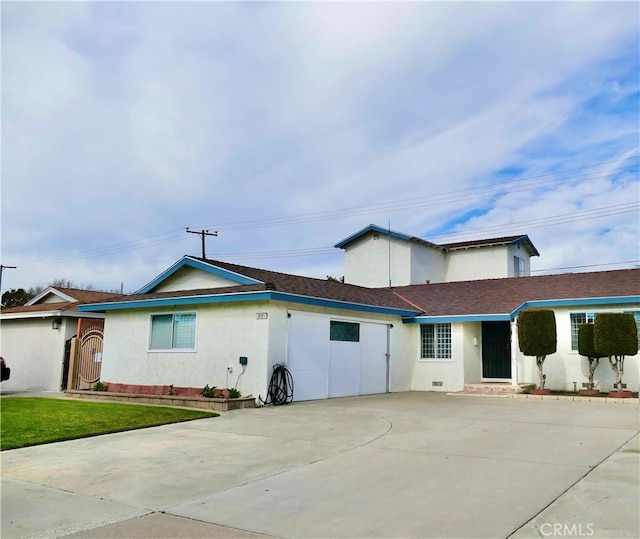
[
  {"x": 435, "y": 341},
  {"x": 173, "y": 331},
  {"x": 344, "y": 331},
  {"x": 518, "y": 266},
  {"x": 577, "y": 319}
]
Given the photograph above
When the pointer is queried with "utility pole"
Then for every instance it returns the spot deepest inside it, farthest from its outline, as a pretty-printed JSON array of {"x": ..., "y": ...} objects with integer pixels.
[
  {"x": 2, "y": 268},
  {"x": 202, "y": 234}
]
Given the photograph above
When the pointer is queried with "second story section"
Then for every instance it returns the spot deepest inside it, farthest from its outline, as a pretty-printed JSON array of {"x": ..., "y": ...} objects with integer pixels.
[{"x": 377, "y": 257}]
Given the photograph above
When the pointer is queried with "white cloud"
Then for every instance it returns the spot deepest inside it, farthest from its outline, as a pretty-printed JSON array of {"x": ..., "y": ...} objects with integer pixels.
[{"x": 125, "y": 120}]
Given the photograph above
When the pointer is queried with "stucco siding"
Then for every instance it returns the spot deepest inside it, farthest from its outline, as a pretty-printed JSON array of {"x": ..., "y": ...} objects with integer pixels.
[
  {"x": 446, "y": 374},
  {"x": 192, "y": 279},
  {"x": 223, "y": 334},
  {"x": 34, "y": 352},
  {"x": 427, "y": 264},
  {"x": 367, "y": 262},
  {"x": 474, "y": 264},
  {"x": 472, "y": 350}
]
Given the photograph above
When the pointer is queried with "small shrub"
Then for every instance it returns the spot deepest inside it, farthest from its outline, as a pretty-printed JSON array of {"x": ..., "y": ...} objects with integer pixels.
[
  {"x": 234, "y": 393},
  {"x": 99, "y": 386},
  {"x": 616, "y": 336},
  {"x": 209, "y": 392},
  {"x": 537, "y": 337}
]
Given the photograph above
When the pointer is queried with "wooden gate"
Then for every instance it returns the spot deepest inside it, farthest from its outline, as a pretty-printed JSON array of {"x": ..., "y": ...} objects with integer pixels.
[{"x": 89, "y": 359}]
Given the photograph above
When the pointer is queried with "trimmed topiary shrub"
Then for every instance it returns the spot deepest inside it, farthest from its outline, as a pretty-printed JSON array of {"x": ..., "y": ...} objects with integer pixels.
[
  {"x": 587, "y": 349},
  {"x": 537, "y": 337},
  {"x": 616, "y": 335}
]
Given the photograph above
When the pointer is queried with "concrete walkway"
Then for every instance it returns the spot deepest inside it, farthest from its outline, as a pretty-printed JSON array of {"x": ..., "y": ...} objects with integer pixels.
[{"x": 399, "y": 465}]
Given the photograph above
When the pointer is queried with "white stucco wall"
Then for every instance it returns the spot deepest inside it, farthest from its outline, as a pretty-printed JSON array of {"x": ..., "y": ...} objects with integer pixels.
[
  {"x": 366, "y": 262},
  {"x": 223, "y": 334},
  {"x": 188, "y": 278},
  {"x": 427, "y": 264},
  {"x": 448, "y": 371},
  {"x": 567, "y": 366},
  {"x": 34, "y": 352},
  {"x": 478, "y": 263},
  {"x": 472, "y": 350}
]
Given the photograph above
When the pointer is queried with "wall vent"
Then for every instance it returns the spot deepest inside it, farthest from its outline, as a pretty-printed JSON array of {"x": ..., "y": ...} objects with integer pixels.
[{"x": 436, "y": 384}]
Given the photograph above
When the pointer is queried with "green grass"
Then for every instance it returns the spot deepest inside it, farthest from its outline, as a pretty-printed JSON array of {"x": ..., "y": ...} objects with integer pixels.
[{"x": 29, "y": 421}]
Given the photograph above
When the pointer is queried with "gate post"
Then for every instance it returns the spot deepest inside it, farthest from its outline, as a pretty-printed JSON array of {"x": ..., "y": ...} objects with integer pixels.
[{"x": 71, "y": 380}]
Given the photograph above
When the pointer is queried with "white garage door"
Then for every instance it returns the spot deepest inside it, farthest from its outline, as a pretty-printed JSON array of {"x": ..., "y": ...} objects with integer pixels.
[{"x": 336, "y": 358}]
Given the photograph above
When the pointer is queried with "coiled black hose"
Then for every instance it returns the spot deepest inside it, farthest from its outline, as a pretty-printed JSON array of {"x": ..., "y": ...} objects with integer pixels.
[{"x": 280, "y": 386}]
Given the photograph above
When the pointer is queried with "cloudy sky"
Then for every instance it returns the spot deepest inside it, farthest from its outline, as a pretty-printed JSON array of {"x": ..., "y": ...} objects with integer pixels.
[{"x": 286, "y": 127}]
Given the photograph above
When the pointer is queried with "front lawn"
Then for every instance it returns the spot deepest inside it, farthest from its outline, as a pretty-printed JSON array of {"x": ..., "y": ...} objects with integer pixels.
[{"x": 34, "y": 420}]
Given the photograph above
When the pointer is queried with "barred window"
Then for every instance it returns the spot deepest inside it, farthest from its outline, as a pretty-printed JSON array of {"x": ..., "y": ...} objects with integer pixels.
[
  {"x": 435, "y": 341},
  {"x": 173, "y": 331}
]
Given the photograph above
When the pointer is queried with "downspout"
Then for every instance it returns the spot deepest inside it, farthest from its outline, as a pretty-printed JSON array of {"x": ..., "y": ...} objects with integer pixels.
[{"x": 388, "y": 359}]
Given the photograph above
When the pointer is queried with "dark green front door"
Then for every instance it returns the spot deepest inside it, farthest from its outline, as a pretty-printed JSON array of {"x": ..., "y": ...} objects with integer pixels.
[{"x": 496, "y": 350}]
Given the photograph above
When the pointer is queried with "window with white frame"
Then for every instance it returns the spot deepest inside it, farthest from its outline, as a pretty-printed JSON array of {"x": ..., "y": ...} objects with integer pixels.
[
  {"x": 176, "y": 331},
  {"x": 577, "y": 319},
  {"x": 435, "y": 341}
]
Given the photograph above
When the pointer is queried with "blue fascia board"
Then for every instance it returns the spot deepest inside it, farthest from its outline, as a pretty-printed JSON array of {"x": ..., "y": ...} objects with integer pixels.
[
  {"x": 197, "y": 264},
  {"x": 458, "y": 318},
  {"x": 176, "y": 301},
  {"x": 527, "y": 240},
  {"x": 243, "y": 296},
  {"x": 534, "y": 304},
  {"x": 337, "y": 304},
  {"x": 372, "y": 228},
  {"x": 575, "y": 302}
]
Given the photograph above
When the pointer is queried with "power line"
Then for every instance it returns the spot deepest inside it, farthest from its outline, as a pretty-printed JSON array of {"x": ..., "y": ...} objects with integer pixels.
[{"x": 462, "y": 195}]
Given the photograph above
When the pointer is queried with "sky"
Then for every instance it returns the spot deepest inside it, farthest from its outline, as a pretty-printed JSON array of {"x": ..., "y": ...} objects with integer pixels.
[{"x": 287, "y": 126}]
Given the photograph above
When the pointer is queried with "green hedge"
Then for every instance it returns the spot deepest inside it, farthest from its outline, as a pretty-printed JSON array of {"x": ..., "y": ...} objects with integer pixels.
[
  {"x": 616, "y": 334},
  {"x": 586, "y": 347},
  {"x": 537, "y": 332}
]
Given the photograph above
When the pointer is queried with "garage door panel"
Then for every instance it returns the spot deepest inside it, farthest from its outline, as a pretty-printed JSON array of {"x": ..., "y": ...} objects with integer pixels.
[
  {"x": 323, "y": 368},
  {"x": 310, "y": 385},
  {"x": 344, "y": 368},
  {"x": 373, "y": 360}
]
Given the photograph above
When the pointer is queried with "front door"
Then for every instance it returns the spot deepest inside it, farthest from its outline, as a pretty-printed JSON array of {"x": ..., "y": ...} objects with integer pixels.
[{"x": 496, "y": 350}]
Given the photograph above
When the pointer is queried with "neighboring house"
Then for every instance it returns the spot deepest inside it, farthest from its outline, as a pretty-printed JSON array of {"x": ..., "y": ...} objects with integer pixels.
[
  {"x": 35, "y": 339},
  {"x": 191, "y": 325}
]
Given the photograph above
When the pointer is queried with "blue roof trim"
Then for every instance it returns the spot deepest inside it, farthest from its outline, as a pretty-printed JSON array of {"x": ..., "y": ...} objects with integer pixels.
[
  {"x": 458, "y": 318},
  {"x": 176, "y": 301},
  {"x": 534, "y": 304},
  {"x": 187, "y": 261},
  {"x": 577, "y": 302},
  {"x": 372, "y": 228},
  {"x": 527, "y": 240},
  {"x": 243, "y": 296},
  {"x": 337, "y": 304}
]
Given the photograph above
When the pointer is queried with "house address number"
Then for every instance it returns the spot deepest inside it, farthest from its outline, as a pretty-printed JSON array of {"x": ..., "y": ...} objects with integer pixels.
[{"x": 262, "y": 316}]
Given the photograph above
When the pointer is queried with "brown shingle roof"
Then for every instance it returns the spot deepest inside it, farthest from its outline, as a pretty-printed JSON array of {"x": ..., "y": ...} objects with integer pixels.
[
  {"x": 502, "y": 296},
  {"x": 81, "y": 297},
  {"x": 282, "y": 282}
]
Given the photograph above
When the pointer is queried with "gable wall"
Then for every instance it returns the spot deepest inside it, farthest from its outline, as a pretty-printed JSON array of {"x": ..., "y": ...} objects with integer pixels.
[
  {"x": 188, "y": 278},
  {"x": 366, "y": 262}
]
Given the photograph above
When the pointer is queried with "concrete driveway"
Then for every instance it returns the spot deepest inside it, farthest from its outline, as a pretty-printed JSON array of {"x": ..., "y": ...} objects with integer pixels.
[{"x": 398, "y": 465}]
